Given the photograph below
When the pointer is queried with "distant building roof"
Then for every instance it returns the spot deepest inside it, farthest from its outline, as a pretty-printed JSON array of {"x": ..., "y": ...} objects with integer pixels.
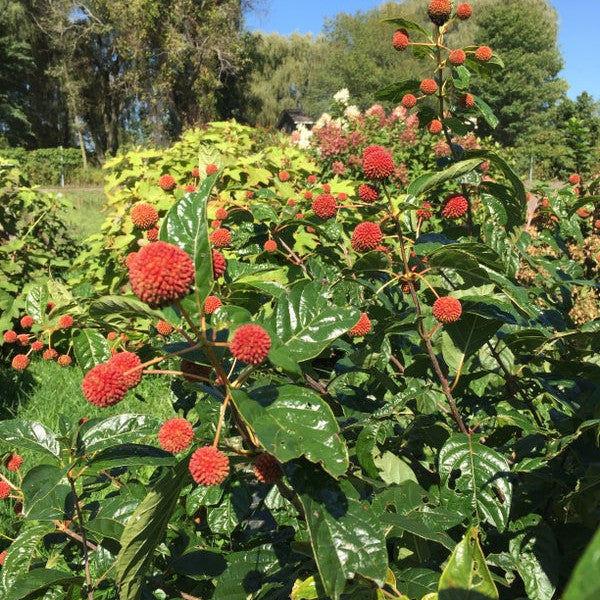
[{"x": 290, "y": 118}]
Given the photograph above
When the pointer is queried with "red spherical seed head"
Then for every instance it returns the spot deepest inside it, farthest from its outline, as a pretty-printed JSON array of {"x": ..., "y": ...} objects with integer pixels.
[
  {"x": 435, "y": 127},
  {"x": 466, "y": 101},
  {"x": 10, "y": 336},
  {"x": 582, "y": 212},
  {"x": 215, "y": 224},
  {"x": 111, "y": 336},
  {"x": 267, "y": 468},
  {"x": 250, "y": 344},
  {"x": 342, "y": 196},
  {"x": 164, "y": 328},
  {"x": 447, "y": 309},
  {"x": 483, "y": 53},
  {"x": 23, "y": 339},
  {"x": 49, "y": 354},
  {"x": 464, "y": 11},
  {"x": 167, "y": 182},
  {"x": 65, "y": 322},
  {"x": 209, "y": 466},
  {"x": 2, "y": 557},
  {"x": 326, "y": 188},
  {"x": 161, "y": 273},
  {"x": 455, "y": 207},
  {"x": 409, "y": 100},
  {"x": 249, "y": 194},
  {"x": 378, "y": 165},
  {"x": 144, "y": 216},
  {"x": 574, "y": 179},
  {"x": 366, "y": 236},
  {"x": 20, "y": 362},
  {"x": 368, "y": 193},
  {"x": 362, "y": 327},
  {"x": 152, "y": 234},
  {"x": 4, "y": 490},
  {"x": 14, "y": 462},
  {"x": 270, "y": 246},
  {"x": 219, "y": 264},
  {"x": 324, "y": 206},
  {"x": 428, "y": 86},
  {"x": 104, "y": 385},
  {"x": 129, "y": 259},
  {"x": 400, "y": 40},
  {"x": 424, "y": 213},
  {"x": 64, "y": 360},
  {"x": 457, "y": 57},
  {"x": 283, "y": 176},
  {"x": 311, "y": 179},
  {"x": 125, "y": 362},
  {"x": 211, "y": 304},
  {"x": 221, "y": 214},
  {"x": 175, "y": 435},
  {"x": 37, "y": 346},
  {"x": 50, "y": 307},
  {"x": 190, "y": 188},
  {"x": 27, "y": 321},
  {"x": 196, "y": 172},
  {"x": 220, "y": 238},
  {"x": 439, "y": 11},
  {"x": 211, "y": 169}
]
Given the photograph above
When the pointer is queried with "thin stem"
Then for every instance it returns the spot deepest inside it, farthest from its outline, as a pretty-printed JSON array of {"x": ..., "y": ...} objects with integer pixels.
[{"x": 84, "y": 542}]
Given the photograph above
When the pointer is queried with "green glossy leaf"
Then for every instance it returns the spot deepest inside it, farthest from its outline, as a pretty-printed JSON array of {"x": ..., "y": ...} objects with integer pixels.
[
  {"x": 292, "y": 421},
  {"x": 145, "y": 530},
  {"x": 466, "y": 576},
  {"x": 119, "y": 309},
  {"x": 90, "y": 348},
  {"x": 38, "y": 580},
  {"x": 307, "y": 589},
  {"x": 129, "y": 455},
  {"x": 30, "y": 435},
  {"x": 20, "y": 554},
  {"x": 583, "y": 586},
  {"x": 346, "y": 536},
  {"x": 306, "y": 323},
  {"x": 99, "y": 434},
  {"x": 232, "y": 508},
  {"x": 486, "y": 112},
  {"x": 475, "y": 480},
  {"x": 35, "y": 303},
  {"x": 428, "y": 181},
  {"x": 402, "y": 23},
  {"x": 366, "y": 447},
  {"x": 414, "y": 524},
  {"x": 186, "y": 226},
  {"x": 46, "y": 493},
  {"x": 395, "y": 91},
  {"x": 461, "y": 76}
]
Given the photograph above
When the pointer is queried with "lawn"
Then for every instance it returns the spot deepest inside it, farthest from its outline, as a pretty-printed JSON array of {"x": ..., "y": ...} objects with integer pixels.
[{"x": 86, "y": 217}]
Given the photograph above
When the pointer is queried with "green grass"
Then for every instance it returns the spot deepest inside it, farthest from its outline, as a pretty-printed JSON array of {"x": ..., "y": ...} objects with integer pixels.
[{"x": 85, "y": 218}]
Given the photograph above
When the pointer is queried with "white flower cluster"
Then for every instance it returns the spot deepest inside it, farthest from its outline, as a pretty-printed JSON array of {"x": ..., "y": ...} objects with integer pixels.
[
  {"x": 352, "y": 112},
  {"x": 342, "y": 96},
  {"x": 301, "y": 137}
]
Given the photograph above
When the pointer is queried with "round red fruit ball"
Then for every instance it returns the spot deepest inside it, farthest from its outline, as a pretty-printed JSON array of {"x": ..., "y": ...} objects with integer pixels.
[
  {"x": 483, "y": 53},
  {"x": 14, "y": 462},
  {"x": 574, "y": 179},
  {"x": 64, "y": 360},
  {"x": 221, "y": 237},
  {"x": 190, "y": 188},
  {"x": 49, "y": 354},
  {"x": 428, "y": 86},
  {"x": 175, "y": 435},
  {"x": 366, "y": 236},
  {"x": 324, "y": 206},
  {"x": 362, "y": 327},
  {"x": 128, "y": 363},
  {"x": 377, "y": 164},
  {"x": 164, "y": 328},
  {"x": 219, "y": 264},
  {"x": 161, "y": 273},
  {"x": 311, "y": 179},
  {"x": 447, "y": 309},
  {"x": 326, "y": 188},
  {"x": 409, "y": 100},
  {"x": 455, "y": 207},
  {"x": 167, "y": 182},
  {"x": 211, "y": 304},
  {"x": 196, "y": 172},
  {"x": 209, "y": 466},
  {"x": 104, "y": 385},
  {"x": 368, "y": 193},
  {"x": 400, "y": 40},
  {"x": 424, "y": 213},
  {"x": 439, "y": 11},
  {"x": 20, "y": 362},
  {"x": 283, "y": 176},
  {"x": 464, "y": 11},
  {"x": 457, "y": 57},
  {"x": 270, "y": 246},
  {"x": 435, "y": 127},
  {"x": 144, "y": 216},
  {"x": 211, "y": 169},
  {"x": 267, "y": 468},
  {"x": 37, "y": 346},
  {"x": 27, "y": 321},
  {"x": 466, "y": 101},
  {"x": 221, "y": 214},
  {"x": 250, "y": 344},
  {"x": 10, "y": 336},
  {"x": 4, "y": 490},
  {"x": 65, "y": 322},
  {"x": 23, "y": 339}
]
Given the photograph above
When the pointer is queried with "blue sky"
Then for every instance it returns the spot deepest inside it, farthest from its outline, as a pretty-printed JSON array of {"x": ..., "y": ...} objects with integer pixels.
[{"x": 579, "y": 39}]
